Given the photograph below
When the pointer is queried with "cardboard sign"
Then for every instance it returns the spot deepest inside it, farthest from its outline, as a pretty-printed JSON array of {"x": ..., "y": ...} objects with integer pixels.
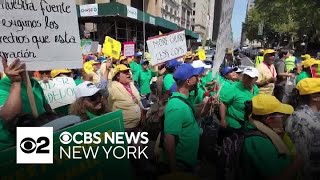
[
  {"x": 98, "y": 168},
  {"x": 43, "y": 34},
  {"x": 167, "y": 46},
  {"x": 94, "y": 47},
  {"x": 86, "y": 45},
  {"x": 225, "y": 34},
  {"x": 128, "y": 49},
  {"x": 111, "y": 47},
  {"x": 59, "y": 91},
  {"x": 89, "y": 10}
]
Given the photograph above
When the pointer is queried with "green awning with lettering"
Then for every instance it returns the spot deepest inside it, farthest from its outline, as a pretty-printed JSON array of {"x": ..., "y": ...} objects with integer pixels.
[{"x": 118, "y": 9}]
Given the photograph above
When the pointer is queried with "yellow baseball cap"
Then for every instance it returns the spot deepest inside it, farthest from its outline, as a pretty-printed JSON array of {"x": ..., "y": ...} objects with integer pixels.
[
  {"x": 309, "y": 86},
  {"x": 310, "y": 62},
  {"x": 264, "y": 104},
  {"x": 88, "y": 67},
  {"x": 268, "y": 51},
  {"x": 120, "y": 68},
  {"x": 306, "y": 56},
  {"x": 188, "y": 55},
  {"x": 122, "y": 58},
  {"x": 54, "y": 73}
]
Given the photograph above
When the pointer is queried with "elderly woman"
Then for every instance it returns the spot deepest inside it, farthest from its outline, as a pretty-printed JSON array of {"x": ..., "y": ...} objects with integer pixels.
[
  {"x": 89, "y": 103},
  {"x": 125, "y": 96}
]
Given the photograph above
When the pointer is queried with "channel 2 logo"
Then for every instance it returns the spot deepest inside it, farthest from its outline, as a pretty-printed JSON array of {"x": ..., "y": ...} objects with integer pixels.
[{"x": 34, "y": 145}]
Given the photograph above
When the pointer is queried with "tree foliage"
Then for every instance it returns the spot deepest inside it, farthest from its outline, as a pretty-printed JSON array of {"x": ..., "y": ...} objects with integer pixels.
[{"x": 291, "y": 19}]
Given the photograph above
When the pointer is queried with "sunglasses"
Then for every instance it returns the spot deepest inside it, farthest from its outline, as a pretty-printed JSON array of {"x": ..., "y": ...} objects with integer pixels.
[
  {"x": 126, "y": 72},
  {"x": 95, "y": 97}
]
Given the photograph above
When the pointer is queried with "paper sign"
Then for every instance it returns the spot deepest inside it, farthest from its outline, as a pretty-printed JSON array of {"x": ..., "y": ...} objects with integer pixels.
[
  {"x": 89, "y": 10},
  {"x": 152, "y": 20},
  {"x": 86, "y": 45},
  {"x": 167, "y": 46},
  {"x": 94, "y": 47},
  {"x": 59, "y": 91},
  {"x": 83, "y": 168},
  {"x": 128, "y": 49},
  {"x": 202, "y": 54},
  {"x": 111, "y": 47},
  {"x": 43, "y": 34},
  {"x": 132, "y": 12},
  {"x": 224, "y": 40}
]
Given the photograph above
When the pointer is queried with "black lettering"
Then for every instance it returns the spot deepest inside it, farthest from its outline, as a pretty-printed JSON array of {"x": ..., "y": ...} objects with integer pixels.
[
  {"x": 40, "y": 39},
  {"x": 52, "y": 8},
  {"x": 17, "y": 4},
  {"x": 51, "y": 24},
  {"x": 65, "y": 39}
]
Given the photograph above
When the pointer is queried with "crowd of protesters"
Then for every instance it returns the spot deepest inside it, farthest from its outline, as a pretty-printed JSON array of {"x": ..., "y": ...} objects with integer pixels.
[{"x": 266, "y": 117}]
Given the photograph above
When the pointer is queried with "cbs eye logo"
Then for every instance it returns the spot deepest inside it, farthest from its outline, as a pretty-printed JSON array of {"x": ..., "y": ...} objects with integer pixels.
[
  {"x": 29, "y": 145},
  {"x": 34, "y": 145},
  {"x": 65, "y": 138}
]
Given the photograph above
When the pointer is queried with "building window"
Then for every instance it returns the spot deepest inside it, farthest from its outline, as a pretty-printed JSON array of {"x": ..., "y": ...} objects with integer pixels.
[
  {"x": 192, "y": 27},
  {"x": 175, "y": 12},
  {"x": 193, "y": 12},
  {"x": 194, "y": 5},
  {"x": 91, "y": 1},
  {"x": 166, "y": 7},
  {"x": 171, "y": 11}
]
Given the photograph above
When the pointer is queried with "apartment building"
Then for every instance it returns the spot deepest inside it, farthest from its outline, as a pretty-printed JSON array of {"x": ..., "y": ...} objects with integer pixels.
[{"x": 200, "y": 17}]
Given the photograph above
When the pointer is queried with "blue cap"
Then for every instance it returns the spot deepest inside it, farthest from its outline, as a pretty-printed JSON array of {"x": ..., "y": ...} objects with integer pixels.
[
  {"x": 138, "y": 54},
  {"x": 173, "y": 63},
  {"x": 143, "y": 61},
  {"x": 186, "y": 71},
  {"x": 228, "y": 70}
]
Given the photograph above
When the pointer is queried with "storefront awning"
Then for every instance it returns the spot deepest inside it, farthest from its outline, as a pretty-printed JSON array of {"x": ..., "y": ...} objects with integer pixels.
[{"x": 117, "y": 9}]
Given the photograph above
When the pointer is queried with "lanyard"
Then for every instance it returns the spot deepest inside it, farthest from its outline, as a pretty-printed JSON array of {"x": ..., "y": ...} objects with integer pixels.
[
  {"x": 128, "y": 88},
  {"x": 272, "y": 71}
]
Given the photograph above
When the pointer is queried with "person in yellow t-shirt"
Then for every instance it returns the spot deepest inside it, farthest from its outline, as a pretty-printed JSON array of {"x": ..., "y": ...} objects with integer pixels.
[{"x": 267, "y": 73}]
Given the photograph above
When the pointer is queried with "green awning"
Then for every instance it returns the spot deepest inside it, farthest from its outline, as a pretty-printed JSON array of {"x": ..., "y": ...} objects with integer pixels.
[{"x": 118, "y": 9}]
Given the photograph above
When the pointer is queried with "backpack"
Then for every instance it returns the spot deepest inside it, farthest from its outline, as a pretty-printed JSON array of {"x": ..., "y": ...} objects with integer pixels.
[{"x": 231, "y": 151}]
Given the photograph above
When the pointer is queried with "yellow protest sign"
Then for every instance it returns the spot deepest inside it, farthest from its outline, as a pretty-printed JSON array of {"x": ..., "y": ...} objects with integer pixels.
[
  {"x": 202, "y": 54},
  {"x": 111, "y": 47}
]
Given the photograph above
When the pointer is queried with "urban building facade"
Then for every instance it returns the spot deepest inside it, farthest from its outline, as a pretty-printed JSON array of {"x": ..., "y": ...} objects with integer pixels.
[
  {"x": 211, "y": 18},
  {"x": 200, "y": 17}
]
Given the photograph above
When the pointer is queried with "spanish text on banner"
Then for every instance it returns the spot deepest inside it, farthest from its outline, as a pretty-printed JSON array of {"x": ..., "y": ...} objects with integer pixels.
[{"x": 43, "y": 34}]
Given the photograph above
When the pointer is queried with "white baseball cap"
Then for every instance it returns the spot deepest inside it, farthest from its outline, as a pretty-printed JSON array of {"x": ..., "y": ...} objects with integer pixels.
[
  {"x": 86, "y": 89},
  {"x": 251, "y": 71},
  {"x": 200, "y": 64},
  {"x": 239, "y": 70}
]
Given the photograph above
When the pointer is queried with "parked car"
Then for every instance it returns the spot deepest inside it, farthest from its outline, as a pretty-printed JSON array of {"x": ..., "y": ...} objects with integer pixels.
[{"x": 210, "y": 54}]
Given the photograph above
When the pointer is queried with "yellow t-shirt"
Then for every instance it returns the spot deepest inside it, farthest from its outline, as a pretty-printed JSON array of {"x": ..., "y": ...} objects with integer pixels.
[{"x": 265, "y": 73}]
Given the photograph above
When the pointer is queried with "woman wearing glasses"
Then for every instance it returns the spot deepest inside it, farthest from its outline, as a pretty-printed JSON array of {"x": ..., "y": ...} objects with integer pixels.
[{"x": 89, "y": 103}]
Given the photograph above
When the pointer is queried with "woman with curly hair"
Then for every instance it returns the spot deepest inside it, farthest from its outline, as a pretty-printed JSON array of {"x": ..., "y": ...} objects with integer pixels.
[{"x": 89, "y": 103}]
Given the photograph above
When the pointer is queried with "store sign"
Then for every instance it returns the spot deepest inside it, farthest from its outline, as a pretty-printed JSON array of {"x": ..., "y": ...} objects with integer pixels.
[
  {"x": 152, "y": 20},
  {"x": 89, "y": 10},
  {"x": 132, "y": 12}
]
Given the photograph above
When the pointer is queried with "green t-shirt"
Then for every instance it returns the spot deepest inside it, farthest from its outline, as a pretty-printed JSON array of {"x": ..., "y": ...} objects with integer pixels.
[
  {"x": 168, "y": 81},
  {"x": 135, "y": 69},
  {"x": 6, "y": 139},
  {"x": 302, "y": 75},
  {"x": 197, "y": 98},
  {"x": 144, "y": 81},
  {"x": 260, "y": 158},
  {"x": 206, "y": 79},
  {"x": 234, "y": 98},
  {"x": 180, "y": 122},
  {"x": 64, "y": 110}
]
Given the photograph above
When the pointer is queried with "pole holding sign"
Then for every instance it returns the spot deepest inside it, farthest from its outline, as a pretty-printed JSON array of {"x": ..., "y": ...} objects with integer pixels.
[
  {"x": 167, "y": 46},
  {"x": 42, "y": 34}
]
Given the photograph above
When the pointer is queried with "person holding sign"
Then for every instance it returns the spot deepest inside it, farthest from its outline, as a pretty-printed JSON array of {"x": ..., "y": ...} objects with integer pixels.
[
  {"x": 89, "y": 103},
  {"x": 14, "y": 98}
]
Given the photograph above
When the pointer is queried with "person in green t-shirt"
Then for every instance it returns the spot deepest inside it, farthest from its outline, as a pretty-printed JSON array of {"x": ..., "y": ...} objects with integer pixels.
[
  {"x": 264, "y": 155},
  {"x": 136, "y": 68},
  {"x": 168, "y": 80},
  {"x": 306, "y": 72},
  {"x": 89, "y": 103},
  {"x": 145, "y": 77},
  {"x": 14, "y": 98},
  {"x": 181, "y": 130},
  {"x": 232, "y": 112}
]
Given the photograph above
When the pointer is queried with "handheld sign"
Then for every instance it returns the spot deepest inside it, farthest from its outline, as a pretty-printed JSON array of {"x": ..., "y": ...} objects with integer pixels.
[
  {"x": 83, "y": 163},
  {"x": 111, "y": 47},
  {"x": 59, "y": 91},
  {"x": 224, "y": 40},
  {"x": 128, "y": 49},
  {"x": 43, "y": 34},
  {"x": 86, "y": 45},
  {"x": 167, "y": 46}
]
